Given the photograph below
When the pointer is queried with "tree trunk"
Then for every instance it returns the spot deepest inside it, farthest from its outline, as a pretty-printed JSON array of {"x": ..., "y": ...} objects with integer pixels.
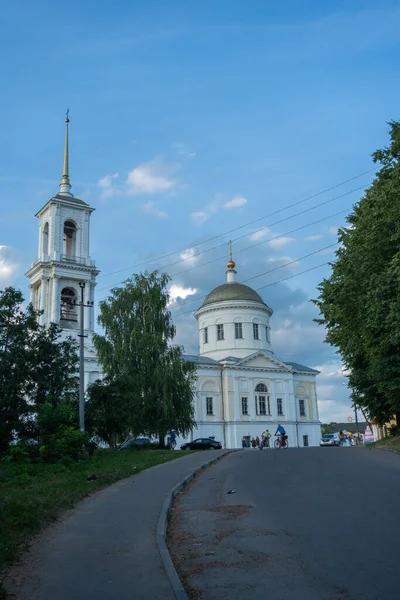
[{"x": 161, "y": 441}]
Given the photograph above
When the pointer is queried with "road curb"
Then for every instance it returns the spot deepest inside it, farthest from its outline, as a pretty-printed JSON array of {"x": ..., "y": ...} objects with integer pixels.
[{"x": 162, "y": 527}]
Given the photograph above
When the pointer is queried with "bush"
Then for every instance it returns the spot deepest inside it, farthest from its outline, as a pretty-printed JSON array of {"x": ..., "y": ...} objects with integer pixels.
[
  {"x": 66, "y": 445},
  {"x": 394, "y": 430}
]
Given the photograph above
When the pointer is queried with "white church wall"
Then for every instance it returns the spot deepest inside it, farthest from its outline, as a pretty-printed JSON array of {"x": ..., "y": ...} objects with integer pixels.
[{"x": 233, "y": 312}]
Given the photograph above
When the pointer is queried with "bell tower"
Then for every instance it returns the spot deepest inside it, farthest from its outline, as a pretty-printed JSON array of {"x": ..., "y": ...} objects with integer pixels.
[{"x": 64, "y": 265}]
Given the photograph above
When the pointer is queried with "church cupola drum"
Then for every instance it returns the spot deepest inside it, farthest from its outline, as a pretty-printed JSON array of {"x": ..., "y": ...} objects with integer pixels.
[
  {"x": 64, "y": 265},
  {"x": 233, "y": 319}
]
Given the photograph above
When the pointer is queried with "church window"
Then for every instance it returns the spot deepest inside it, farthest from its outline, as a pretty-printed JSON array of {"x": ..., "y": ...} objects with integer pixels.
[
  {"x": 205, "y": 335},
  {"x": 267, "y": 334},
  {"x": 68, "y": 310},
  {"x": 46, "y": 239},
  {"x": 279, "y": 404},
  {"x": 69, "y": 239},
  {"x": 245, "y": 406},
  {"x": 238, "y": 331},
  {"x": 209, "y": 406},
  {"x": 263, "y": 403},
  {"x": 255, "y": 331},
  {"x": 220, "y": 332},
  {"x": 302, "y": 408}
]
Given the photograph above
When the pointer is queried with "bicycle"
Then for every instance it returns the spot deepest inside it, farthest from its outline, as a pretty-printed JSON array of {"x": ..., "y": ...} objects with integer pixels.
[{"x": 278, "y": 444}]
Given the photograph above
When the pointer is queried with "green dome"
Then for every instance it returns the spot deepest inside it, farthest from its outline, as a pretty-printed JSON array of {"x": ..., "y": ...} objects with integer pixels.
[{"x": 232, "y": 291}]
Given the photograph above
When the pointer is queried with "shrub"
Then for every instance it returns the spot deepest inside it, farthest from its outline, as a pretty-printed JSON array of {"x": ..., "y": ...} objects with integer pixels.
[
  {"x": 394, "y": 430},
  {"x": 67, "y": 443}
]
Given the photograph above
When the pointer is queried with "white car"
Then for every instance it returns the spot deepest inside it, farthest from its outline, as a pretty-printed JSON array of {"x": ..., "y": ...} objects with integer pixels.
[{"x": 329, "y": 439}]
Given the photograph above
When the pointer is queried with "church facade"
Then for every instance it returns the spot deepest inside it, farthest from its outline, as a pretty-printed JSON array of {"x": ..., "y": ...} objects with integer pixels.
[{"x": 242, "y": 387}]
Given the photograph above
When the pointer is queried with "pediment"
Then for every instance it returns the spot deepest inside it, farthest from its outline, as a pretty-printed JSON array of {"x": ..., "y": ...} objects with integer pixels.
[{"x": 263, "y": 360}]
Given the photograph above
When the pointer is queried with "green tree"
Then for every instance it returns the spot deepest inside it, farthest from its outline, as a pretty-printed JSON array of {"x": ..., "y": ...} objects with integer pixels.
[
  {"x": 36, "y": 368},
  {"x": 360, "y": 301},
  {"x": 136, "y": 346},
  {"x": 109, "y": 408}
]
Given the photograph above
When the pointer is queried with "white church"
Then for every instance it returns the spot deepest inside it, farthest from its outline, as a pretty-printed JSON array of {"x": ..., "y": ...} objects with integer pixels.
[{"x": 242, "y": 388}]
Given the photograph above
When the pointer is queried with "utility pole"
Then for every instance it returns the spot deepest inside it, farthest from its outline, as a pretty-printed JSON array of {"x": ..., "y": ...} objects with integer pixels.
[{"x": 82, "y": 335}]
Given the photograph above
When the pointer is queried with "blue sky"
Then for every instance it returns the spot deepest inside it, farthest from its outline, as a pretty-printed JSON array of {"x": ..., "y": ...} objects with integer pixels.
[{"x": 189, "y": 119}]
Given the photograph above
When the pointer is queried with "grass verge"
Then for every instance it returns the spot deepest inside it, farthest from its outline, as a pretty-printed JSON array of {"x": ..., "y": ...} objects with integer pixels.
[
  {"x": 392, "y": 444},
  {"x": 34, "y": 495}
]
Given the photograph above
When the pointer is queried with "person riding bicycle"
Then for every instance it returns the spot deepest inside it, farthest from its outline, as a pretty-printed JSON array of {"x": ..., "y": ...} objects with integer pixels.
[
  {"x": 265, "y": 439},
  {"x": 282, "y": 434},
  {"x": 172, "y": 438}
]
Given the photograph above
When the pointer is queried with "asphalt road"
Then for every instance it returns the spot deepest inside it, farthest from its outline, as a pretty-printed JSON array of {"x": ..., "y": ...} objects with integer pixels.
[{"x": 312, "y": 524}]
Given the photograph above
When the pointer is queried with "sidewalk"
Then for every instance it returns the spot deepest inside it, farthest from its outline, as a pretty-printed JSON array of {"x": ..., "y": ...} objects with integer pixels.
[{"x": 106, "y": 547}]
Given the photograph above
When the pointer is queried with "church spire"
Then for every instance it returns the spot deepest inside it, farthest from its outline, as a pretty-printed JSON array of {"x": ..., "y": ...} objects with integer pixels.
[
  {"x": 230, "y": 273},
  {"x": 65, "y": 186}
]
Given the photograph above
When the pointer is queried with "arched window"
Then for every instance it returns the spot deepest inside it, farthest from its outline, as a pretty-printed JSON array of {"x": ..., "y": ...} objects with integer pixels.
[
  {"x": 261, "y": 387},
  {"x": 69, "y": 239},
  {"x": 45, "y": 240},
  {"x": 263, "y": 402},
  {"x": 68, "y": 310}
]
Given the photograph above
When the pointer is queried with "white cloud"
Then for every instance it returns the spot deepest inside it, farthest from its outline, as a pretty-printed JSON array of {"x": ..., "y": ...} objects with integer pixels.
[
  {"x": 9, "y": 266},
  {"x": 333, "y": 230},
  {"x": 153, "y": 177},
  {"x": 150, "y": 209},
  {"x": 183, "y": 150},
  {"x": 200, "y": 217},
  {"x": 189, "y": 255},
  {"x": 314, "y": 237},
  {"x": 178, "y": 291},
  {"x": 280, "y": 242},
  {"x": 236, "y": 202},
  {"x": 284, "y": 260},
  {"x": 260, "y": 234},
  {"x": 108, "y": 189}
]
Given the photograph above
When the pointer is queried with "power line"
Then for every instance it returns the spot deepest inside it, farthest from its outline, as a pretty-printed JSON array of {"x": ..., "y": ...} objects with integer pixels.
[
  {"x": 197, "y": 298},
  {"x": 268, "y": 284},
  {"x": 252, "y": 233},
  {"x": 241, "y": 226}
]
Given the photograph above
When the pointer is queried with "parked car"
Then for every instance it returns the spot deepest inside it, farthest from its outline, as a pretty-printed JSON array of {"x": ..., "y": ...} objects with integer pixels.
[
  {"x": 202, "y": 444},
  {"x": 329, "y": 439},
  {"x": 134, "y": 443}
]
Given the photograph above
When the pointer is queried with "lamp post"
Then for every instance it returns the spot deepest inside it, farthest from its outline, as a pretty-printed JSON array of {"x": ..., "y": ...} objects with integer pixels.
[{"x": 81, "y": 336}]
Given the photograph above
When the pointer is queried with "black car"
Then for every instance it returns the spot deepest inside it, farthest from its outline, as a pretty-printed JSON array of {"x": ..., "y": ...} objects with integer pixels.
[
  {"x": 134, "y": 443},
  {"x": 202, "y": 444}
]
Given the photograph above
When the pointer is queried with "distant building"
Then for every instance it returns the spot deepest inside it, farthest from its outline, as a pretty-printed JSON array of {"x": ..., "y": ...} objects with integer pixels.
[{"x": 242, "y": 387}]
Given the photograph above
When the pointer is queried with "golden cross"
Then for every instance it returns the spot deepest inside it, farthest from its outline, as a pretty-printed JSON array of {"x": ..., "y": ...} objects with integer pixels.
[
  {"x": 230, "y": 249},
  {"x": 66, "y": 116}
]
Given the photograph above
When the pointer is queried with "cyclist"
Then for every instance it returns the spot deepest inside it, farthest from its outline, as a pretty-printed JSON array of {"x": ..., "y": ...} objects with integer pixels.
[
  {"x": 265, "y": 439},
  {"x": 282, "y": 435}
]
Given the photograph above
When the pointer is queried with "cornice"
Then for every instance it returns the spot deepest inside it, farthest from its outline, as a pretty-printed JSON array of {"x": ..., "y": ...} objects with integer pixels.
[{"x": 215, "y": 307}]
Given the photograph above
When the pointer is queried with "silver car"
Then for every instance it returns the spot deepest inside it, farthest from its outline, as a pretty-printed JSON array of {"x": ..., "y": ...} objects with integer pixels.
[{"x": 329, "y": 439}]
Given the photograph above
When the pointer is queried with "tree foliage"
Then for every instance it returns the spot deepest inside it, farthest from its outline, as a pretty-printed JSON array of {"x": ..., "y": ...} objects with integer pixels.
[
  {"x": 360, "y": 301},
  {"x": 36, "y": 369},
  {"x": 136, "y": 354}
]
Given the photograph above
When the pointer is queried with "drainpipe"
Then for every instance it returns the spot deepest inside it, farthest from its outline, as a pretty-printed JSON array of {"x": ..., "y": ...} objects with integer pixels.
[{"x": 223, "y": 408}]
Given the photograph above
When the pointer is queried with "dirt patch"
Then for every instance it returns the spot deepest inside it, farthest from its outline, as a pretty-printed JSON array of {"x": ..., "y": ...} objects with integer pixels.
[{"x": 230, "y": 511}]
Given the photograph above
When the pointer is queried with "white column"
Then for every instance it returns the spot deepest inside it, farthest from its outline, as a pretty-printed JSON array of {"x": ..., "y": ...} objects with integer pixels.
[
  {"x": 55, "y": 301},
  {"x": 43, "y": 300},
  {"x": 32, "y": 295}
]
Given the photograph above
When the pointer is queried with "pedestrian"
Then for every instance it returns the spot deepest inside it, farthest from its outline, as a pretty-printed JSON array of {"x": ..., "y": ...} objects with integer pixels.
[
  {"x": 342, "y": 437},
  {"x": 253, "y": 443},
  {"x": 257, "y": 442},
  {"x": 244, "y": 442},
  {"x": 265, "y": 439},
  {"x": 172, "y": 438}
]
